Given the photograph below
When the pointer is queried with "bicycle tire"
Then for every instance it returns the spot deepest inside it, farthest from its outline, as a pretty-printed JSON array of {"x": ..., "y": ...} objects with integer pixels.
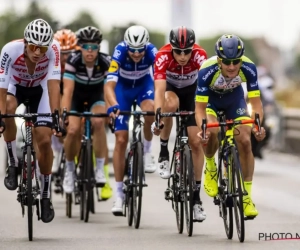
[
  {"x": 81, "y": 160},
  {"x": 188, "y": 182},
  {"x": 128, "y": 194},
  {"x": 177, "y": 200},
  {"x": 88, "y": 187},
  {"x": 138, "y": 178},
  {"x": 238, "y": 198},
  {"x": 225, "y": 205},
  {"x": 29, "y": 193},
  {"x": 69, "y": 201}
]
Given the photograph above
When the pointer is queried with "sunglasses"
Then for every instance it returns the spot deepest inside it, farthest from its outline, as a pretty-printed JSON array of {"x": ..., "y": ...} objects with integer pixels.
[
  {"x": 184, "y": 51},
  {"x": 138, "y": 50},
  {"x": 229, "y": 61},
  {"x": 87, "y": 46},
  {"x": 34, "y": 48}
]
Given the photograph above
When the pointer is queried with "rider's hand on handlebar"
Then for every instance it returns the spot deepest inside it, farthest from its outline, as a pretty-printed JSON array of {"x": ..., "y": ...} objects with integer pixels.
[
  {"x": 157, "y": 129},
  {"x": 203, "y": 139},
  {"x": 114, "y": 111},
  {"x": 259, "y": 136}
]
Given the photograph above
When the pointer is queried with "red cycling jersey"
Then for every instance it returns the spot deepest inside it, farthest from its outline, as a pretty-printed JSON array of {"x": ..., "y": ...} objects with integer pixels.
[{"x": 166, "y": 67}]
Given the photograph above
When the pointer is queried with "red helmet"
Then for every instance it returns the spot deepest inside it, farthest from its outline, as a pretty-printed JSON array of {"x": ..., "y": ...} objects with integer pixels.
[{"x": 182, "y": 37}]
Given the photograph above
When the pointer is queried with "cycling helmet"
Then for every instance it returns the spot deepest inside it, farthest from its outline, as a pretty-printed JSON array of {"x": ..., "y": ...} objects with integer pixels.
[
  {"x": 38, "y": 32},
  {"x": 66, "y": 38},
  {"x": 229, "y": 47},
  {"x": 182, "y": 37},
  {"x": 136, "y": 36},
  {"x": 89, "y": 34}
]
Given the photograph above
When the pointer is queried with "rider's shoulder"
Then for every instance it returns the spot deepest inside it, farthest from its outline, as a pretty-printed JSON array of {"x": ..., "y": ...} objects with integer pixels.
[
  {"x": 13, "y": 46},
  {"x": 210, "y": 62},
  {"x": 75, "y": 56}
]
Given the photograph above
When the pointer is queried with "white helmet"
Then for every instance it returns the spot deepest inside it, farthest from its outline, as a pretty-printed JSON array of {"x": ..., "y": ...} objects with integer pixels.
[
  {"x": 38, "y": 32},
  {"x": 136, "y": 36}
]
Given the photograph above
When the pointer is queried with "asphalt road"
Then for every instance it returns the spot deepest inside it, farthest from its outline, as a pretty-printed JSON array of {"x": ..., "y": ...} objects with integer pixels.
[{"x": 275, "y": 193}]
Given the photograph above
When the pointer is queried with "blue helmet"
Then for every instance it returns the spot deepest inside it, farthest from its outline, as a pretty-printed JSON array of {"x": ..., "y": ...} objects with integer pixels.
[{"x": 229, "y": 47}]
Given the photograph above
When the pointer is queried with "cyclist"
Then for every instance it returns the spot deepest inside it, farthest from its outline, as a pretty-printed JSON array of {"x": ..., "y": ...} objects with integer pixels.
[
  {"x": 85, "y": 73},
  {"x": 68, "y": 42},
  {"x": 30, "y": 68},
  {"x": 219, "y": 87},
  {"x": 176, "y": 71},
  {"x": 130, "y": 79}
]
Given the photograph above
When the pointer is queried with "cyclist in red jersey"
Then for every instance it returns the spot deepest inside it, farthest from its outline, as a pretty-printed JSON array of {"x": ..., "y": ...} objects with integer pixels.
[{"x": 175, "y": 73}]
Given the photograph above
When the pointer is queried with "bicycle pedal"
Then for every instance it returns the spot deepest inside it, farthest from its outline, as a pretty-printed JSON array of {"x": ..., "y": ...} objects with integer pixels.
[
  {"x": 198, "y": 220},
  {"x": 100, "y": 185},
  {"x": 145, "y": 185},
  {"x": 249, "y": 217}
]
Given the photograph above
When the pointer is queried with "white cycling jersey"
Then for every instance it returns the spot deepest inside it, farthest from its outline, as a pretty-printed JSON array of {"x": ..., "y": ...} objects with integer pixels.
[{"x": 13, "y": 70}]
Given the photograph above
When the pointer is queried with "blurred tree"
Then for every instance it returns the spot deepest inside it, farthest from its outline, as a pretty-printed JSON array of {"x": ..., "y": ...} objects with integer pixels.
[
  {"x": 83, "y": 19},
  {"x": 157, "y": 38},
  {"x": 12, "y": 25},
  {"x": 209, "y": 45}
]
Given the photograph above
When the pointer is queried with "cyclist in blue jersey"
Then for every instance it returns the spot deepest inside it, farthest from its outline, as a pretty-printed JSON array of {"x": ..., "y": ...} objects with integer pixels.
[
  {"x": 129, "y": 79},
  {"x": 219, "y": 88}
]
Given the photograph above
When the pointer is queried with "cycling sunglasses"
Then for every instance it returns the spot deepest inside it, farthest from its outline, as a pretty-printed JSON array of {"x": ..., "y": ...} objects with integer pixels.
[
  {"x": 87, "y": 46},
  {"x": 229, "y": 61},
  {"x": 34, "y": 48},
  {"x": 184, "y": 51},
  {"x": 136, "y": 50}
]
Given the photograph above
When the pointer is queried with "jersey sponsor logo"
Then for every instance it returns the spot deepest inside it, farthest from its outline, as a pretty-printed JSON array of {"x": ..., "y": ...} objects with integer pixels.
[
  {"x": 117, "y": 54},
  {"x": 3, "y": 61},
  {"x": 159, "y": 76},
  {"x": 192, "y": 75},
  {"x": 56, "y": 52},
  {"x": 202, "y": 89},
  {"x": 113, "y": 67},
  {"x": 241, "y": 111},
  {"x": 199, "y": 58},
  {"x": 211, "y": 71},
  {"x": 7, "y": 66},
  {"x": 154, "y": 51},
  {"x": 160, "y": 61},
  {"x": 39, "y": 68},
  {"x": 252, "y": 85},
  {"x": 249, "y": 69}
]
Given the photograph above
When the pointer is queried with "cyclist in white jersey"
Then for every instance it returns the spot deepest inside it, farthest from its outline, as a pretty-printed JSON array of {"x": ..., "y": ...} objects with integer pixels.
[{"x": 30, "y": 69}]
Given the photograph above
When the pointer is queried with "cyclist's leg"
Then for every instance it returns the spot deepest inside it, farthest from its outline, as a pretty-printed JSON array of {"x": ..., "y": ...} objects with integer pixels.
[
  {"x": 171, "y": 105},
  {"x": 146, "y": 102},
  {"x": 71, "y": 139},
  {"x": 42, "y": 135},
  {"x": 99, "y": 141},
  {"x": 125, "y": 100},
  {"x": 239, "y": 111},
  {"x": 11, "y": 177}
]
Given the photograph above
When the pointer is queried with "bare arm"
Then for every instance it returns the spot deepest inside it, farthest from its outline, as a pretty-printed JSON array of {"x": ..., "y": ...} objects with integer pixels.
[
  {"x": 109, "y": 93},
  {"x": 200, "y": 113},
  {"x": 159, "y": 96},
  {"x": 68, "y": 93},
  {"x": 3, "y": 93},
  {"x": 256, "y": 107},
  {"x": 54, "y": 94}
]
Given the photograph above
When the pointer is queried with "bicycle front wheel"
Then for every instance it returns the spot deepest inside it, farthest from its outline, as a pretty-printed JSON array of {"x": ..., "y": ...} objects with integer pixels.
[
  {"x": 238, "y": 195},
  {"x": 88, "y": 185},
  {"x": 188, "y": 181},
  {"x": 138, "y": 179},
  {"x": 29, "y": 192}
]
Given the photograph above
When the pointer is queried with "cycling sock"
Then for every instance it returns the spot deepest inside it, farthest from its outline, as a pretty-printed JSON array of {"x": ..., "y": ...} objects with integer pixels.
[
  {"x": 45, "y": 185},
  {"x": 197, "y": 191},
  {"x": 56, "y": 144},
  {"x": 70, "y": 166},
  {"x": 147, "y": 146},
  {"x": 119, "y": 189},
  {"x": 164, "y": 152},
  {"x": 11, "y": 149},
  {"x": 210, "y": 164},
  {"x": 248, "y": 187},
  {"x": 100, "y": 163}
]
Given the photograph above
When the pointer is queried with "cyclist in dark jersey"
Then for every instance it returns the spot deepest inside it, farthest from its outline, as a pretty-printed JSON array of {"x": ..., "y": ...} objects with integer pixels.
[{"x": 84, "y": 77}]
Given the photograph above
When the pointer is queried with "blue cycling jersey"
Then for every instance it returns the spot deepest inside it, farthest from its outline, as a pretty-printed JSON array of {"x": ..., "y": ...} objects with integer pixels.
[{"x": 123, "y": 69}]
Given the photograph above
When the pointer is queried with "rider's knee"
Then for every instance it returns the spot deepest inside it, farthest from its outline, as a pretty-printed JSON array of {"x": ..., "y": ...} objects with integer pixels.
[
  {"x": 11, "y": 106},
  {"x": 98, "y": 123},
  {"x": 171, "y": 104},
  {"x": 244, "y": 140},
  {"x": 121, "y": 141},
  {"x": 73, "y": 131}
]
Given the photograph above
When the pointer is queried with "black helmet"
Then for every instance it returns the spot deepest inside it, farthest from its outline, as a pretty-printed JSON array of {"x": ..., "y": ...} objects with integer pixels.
[
  {"x": 229, "y": 47},
  {"x": 182, "y": 37},
  {"x": 89, "y": 34}
]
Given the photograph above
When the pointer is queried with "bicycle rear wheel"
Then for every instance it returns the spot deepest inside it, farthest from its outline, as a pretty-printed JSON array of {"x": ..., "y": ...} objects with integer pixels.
[
  {"x": 176, "y": 181},
  {"x": 238, "y": 195},
  {"x": 81, "y": 184},
  {"x": 69, "y": 201},
  {"x": 188, "y": 181},
  {"x": 138, "y": 179},
  {"x": 225, "y": 204},
  {"x": 128, "y": 193},
  {"x": 29, "y": 192}
]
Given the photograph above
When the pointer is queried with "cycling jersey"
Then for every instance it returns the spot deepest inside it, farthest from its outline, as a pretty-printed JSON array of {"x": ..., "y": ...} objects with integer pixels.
[
  {"x": 134, "y": 80},
  {"x": 226, "y": 93},
  {"x": 88, "y": 81},
  {"x": 14, "y": 76},
  {"x": 166, "y": 67}
]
